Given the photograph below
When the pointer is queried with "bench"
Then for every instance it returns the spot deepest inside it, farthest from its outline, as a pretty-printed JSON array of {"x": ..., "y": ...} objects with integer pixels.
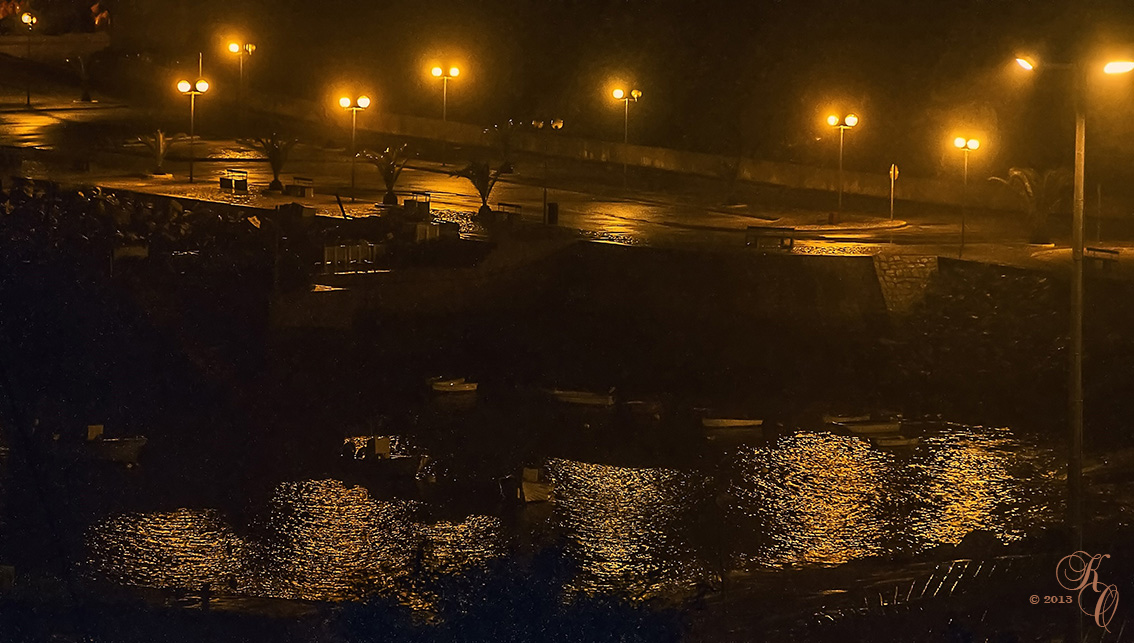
[
  {"x": 510, "y": 210},
  {"x": 770, "y": 238},
  {"x": 1102, "y": 257},
  {"x": 235, "y": 180},
  {"x": 418, "y": 205},
  {"x": 300, "y": 186}
]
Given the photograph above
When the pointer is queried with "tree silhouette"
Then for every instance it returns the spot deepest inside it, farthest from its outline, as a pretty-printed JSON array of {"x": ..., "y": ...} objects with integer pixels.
[
  {"x": 1039, "y": 193},
  {"x": 390, "y": 164},
  {"x": 483, "y": 178},
  {"x": 276, "y": 150}
]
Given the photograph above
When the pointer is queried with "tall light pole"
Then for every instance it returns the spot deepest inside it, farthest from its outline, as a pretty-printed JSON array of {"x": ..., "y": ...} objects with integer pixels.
[
  {"x": 843, "y": 124},
  {"x": 192, "y": 90},
  {"x": 626, "y": 97},
  {"x": 966, "y": 145},
  {"x": 1075, "y": 402},
  {"x": 354, "y": 106},
  {"x": 445, "y": 76},
  {"x": 241, "y": 50},
  {"x": 29, "y": 21}
]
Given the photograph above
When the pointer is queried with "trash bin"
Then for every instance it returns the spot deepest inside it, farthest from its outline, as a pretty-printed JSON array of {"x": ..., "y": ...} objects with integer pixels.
[{"x": 551, "y": 217}]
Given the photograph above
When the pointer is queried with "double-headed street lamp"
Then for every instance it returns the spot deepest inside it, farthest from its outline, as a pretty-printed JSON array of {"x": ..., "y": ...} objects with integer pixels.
[
  {"x": 29, "y": 21},
  {"x": 1075, "y": 461},
  {"x": 966, "y": 145},
  {"x": 241, "y": 50},
  {"x": 626, "y": 97},
  {"x": 360, "y": 103},
  {"x": 445, "y": 76},
  {"x": 845, "y": 123},
  {"x": 192, "y": 90}
]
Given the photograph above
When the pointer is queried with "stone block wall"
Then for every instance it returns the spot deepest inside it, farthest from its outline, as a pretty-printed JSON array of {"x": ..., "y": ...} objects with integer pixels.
[{"x": 903, "y": 279}]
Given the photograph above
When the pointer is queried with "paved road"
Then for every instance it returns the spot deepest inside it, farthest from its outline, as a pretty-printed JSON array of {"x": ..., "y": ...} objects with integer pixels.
[{"x": 643, "y": 208}]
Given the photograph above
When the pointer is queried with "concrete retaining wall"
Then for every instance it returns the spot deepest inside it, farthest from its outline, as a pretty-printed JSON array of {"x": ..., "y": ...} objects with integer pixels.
[{"x": 54, "y": 48}]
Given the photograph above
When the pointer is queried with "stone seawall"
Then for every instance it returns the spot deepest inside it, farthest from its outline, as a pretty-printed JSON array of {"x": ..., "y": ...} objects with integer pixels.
[{"x": 903, "y": 279}]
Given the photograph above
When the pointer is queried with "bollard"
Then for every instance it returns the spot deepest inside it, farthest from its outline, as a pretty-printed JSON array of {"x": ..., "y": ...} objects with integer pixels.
[{"x": 551, "y": 217}]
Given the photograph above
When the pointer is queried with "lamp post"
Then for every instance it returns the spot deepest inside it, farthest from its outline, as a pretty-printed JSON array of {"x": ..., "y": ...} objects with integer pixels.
[
  {"x": 29, "y": 20},
  {"x": 192, "y": 90},
  {"x": 360, "y": 103},
  {"x": 554, "y": 124},
  {"x": 843, "y": 124},
  {"x": 626, "y": 97},
  {"x": 241, "y": 50},
  {"x": 966, "y": 145},
  {"x": 445, "y": 76},
  {"x": 1075, "y": 410}
]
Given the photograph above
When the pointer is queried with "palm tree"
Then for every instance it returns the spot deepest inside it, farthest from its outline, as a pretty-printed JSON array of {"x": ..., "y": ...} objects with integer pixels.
[
  {"x": 1040, "y": 194},
  {"x": 276, "y": 149},
  {"x": 159, "y": 144},
  {"x": 483, "y": 178},
  {"x": 390, "y": 164}
]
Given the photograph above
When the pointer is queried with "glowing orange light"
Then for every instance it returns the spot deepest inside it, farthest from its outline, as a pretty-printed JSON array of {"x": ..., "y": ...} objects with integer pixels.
[
  {"x": 618, "y": 94},
  {"x": 1119, "y": 67}
]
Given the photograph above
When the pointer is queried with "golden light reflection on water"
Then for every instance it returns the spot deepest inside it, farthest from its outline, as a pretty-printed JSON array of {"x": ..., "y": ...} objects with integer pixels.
[
  {"x": 175, "y": 549},
  {"x": 817, "y": 497},
  {"x": 826, "y": 499},
  {"x": 974, "y": 480},
  {"x": 321, "y": 540},
  {"x": 627, "y": 527}
]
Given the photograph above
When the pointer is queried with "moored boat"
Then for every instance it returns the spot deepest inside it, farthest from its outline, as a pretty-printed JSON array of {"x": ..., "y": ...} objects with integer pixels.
[
  {"x": 894, "y": 441},
  {"x": 535, "y": 486},
  {"x": 870, "y": 427},
  {"x": 582, "y": 398},
  {"x": 723, "y": 423},
  {"x": 453, "y": 386},
  {"x": 121, "y": 450},
  {"x": 842, "y": 419},
  {"x": 373, "y": 455}
]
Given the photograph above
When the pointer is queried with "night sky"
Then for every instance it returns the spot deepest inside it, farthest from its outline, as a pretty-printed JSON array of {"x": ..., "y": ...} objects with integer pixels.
[{"x": 753, "y": 78}]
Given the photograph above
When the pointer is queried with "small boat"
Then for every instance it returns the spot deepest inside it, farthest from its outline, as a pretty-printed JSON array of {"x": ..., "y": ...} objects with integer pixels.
[
  {"x": 733, "y": 433},
  {"x": 894, "y": 441},
  {"x": 122, "y": 450},
  {"x": 444, "y": 380},
  {"x": 458, "y": 385},
  {"x": 373, "y": 455},
  {"x": 722, "y": 423},
  {"x": 870, "y": 427},
  {"x": 535, "y": 486},
  {"x": 842, "y": 419},
  {"x": 582, "y": 398}
]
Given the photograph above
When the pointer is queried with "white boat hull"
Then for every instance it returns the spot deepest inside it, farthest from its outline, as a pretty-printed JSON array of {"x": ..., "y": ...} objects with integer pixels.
[
  {"x": 871, "y": 428},
  {"x": 894, "y": 441},
  {"x": 454, "y": 387},
  {"x": 724, "y": 423},
  {"x": 582, "y": 398},
  {"x": 123, "y": 450}
]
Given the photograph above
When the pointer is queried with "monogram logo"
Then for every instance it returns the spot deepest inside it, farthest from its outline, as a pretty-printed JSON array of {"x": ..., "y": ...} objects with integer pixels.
[{"x": 1078, "y": 572}]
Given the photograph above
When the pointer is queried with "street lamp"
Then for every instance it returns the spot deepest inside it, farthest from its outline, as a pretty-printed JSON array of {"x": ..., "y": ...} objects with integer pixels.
[
  {"x": 966, "y": 145},
  {"x": 844, "y": 124},
  {"x": 192, "y": 90},
  {"x": 29, "y": 20},
  {"x": 1075, "y": 461},
  {"x": 445, "y": 76},
  {"x": 625, "y": 97},
  {"x": 360, "y": 103},
  {"x": 241, "y": 50}
]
